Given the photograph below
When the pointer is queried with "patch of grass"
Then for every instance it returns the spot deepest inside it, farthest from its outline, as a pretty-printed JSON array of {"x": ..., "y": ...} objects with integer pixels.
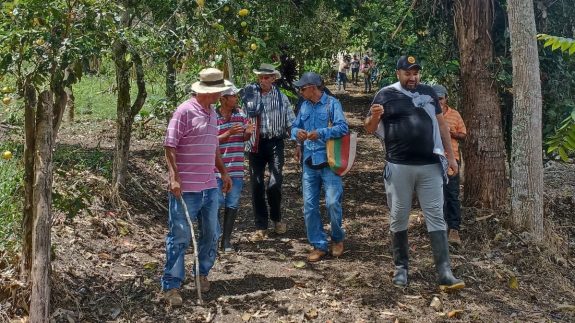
[
  {"x": 11, "y": 198},
  {"x": 72, "y": 158},
  {"x": 95, "y": 97}
]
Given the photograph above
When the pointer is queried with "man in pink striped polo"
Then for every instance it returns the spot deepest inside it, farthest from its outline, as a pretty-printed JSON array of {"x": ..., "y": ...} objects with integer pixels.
[{"x": 191, "y": 147}]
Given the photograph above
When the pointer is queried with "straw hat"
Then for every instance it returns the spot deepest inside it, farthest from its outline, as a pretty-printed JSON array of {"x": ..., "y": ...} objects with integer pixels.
[{"x": 211, "y": 81}]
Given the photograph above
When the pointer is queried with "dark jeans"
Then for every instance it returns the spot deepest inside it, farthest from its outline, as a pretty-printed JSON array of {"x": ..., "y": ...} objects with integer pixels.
[
  {"x": 355, "y": 75},
  {"x": 271, "y": 154},
  {"x": 451, "y": 203}
]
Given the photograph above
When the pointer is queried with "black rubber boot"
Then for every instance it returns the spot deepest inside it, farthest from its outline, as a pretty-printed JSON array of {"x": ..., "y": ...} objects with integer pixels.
[
  {"x": 440, "y": 248},
  {"x": 400, "y": 257},
  {"x": 229, "y": 219}
]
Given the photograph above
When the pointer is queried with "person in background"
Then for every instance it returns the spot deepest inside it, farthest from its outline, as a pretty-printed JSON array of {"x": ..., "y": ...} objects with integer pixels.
[
  {"x": 342, "y": 69},
  {"x": 366, "y": 69},
  {"x": 233, "y": 129},
  {"x": 271, "y": 114},
  {"x": 457, "y": 132},
  {"x": 191, "y": 148},
  {"x": 320, "y": 118},
  {"x": 354, "y": 65},
  {"x": 418, "y": 154}
]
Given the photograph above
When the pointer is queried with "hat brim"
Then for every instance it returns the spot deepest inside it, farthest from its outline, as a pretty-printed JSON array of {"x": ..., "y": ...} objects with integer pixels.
[
  {"x": 274, "y": 72},
  {"x": 302, "y": 84},
  {"x": 202, "y": 89},
  {"x": 410, "y": 67}
]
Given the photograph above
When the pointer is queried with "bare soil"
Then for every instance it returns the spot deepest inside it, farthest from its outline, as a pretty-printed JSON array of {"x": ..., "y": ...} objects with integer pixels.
[{"x": 108, "y": 261}]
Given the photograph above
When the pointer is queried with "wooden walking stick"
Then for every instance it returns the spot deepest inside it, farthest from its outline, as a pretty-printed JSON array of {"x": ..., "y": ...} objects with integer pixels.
[{"x": 197, "y": 276}]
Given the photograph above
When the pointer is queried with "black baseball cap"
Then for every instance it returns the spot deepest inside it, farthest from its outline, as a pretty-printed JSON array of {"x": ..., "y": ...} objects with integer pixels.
[{"x": 407, "y": 62}]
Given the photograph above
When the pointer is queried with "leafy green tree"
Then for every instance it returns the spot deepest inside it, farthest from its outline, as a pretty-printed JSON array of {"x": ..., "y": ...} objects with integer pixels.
[
  {"x": 41, "y": 46},
  {"x": 562, "y": 141}
]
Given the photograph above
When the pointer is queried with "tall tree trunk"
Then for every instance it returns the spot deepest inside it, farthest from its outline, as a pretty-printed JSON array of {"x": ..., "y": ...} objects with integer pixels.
[
  {"x": 171, "y": 74},
  {"x": 125, "y": 111},
  {"x": 30, "y": 102},
  {"x": 526, "y": 148},
  {"x": 486, "y": 183},
  {"x": 40, "y": 301}
]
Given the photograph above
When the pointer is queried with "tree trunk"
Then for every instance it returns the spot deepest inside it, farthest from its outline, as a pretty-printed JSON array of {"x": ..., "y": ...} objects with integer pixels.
[
  {"x": 30, "y": 102},
  {"x": 526, "y": 149},
  {"x": 40, "y": 301},
  {"x": 60, "y": 102},
  {"x": 71, "y": 103},
  {"x": 171, "y": 74},
  {"x": 486, "y": 183},
  {"x": 125, "y": 112}
]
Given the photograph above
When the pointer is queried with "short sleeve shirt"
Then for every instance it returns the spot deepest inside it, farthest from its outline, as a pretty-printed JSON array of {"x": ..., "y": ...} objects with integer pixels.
[
  {"x": 193, "y": 132},
  {"x": 232, "y": 148},
  {"x": 408, "y": 129}
]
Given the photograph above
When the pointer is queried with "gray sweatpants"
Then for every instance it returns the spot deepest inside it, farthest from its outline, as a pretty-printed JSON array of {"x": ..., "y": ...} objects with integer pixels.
[{"x": 427, "y": 180}]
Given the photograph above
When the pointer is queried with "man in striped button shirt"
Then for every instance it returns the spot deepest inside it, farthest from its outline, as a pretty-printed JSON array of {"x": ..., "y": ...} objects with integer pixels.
[
  {"x": 272, "y": 115},
  {"x": 191, "y": 147}
]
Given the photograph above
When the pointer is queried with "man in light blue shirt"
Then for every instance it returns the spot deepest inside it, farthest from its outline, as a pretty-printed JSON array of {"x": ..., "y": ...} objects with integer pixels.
[{"x": 319, "y": 119}]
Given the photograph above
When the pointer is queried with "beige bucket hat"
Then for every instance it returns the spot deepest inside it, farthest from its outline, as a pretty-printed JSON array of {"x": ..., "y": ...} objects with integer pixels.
[{"x": 211, "y": 81}]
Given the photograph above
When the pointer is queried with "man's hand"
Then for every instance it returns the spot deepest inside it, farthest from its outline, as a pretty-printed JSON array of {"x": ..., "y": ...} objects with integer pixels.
[
  {"x": 301, "y": 135},
  {"x": 453, "y": 167},
  {"x": 371, "y": 122},
  {"x": 235, "y": 129},
  {"x": 376, "y": 111},
  {"x": 176, "y": 187},
  {"x": 249, "y": 128},
  {"x": 227, "y": 183},
  {"x": 312, "y": 135},
  {"x": 297, "y": 153}
]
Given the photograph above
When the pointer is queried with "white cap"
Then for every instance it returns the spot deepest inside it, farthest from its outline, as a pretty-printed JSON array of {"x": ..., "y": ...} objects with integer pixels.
[{"x": 233, "y": 90}]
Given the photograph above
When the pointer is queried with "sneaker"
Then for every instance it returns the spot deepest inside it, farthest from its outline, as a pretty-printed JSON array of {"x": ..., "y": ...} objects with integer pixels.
[
  {"x": 280, "y": 227},
  {"x": 315, "y": 255},
  {"x": 204, "y": 284},
  {"x": 173, "y": 297},
  {"x": 337, "y": 249},
  {"x": 454, "y": 237},
  {"x": 259, "y": 235}
]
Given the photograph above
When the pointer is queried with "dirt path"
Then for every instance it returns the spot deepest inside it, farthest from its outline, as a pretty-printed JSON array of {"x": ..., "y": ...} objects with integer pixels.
[{"x": 107, "y": 265}]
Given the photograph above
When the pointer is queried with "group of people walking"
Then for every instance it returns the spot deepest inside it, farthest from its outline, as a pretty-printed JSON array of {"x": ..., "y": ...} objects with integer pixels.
[
  {"x": 366, "y": 66},
  {"x": 204, "y": 150}
]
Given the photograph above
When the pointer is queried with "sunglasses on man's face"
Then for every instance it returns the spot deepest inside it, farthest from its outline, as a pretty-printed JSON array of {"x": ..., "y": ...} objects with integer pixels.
[
  {"x": 265, "y": 77},
  {"x": 301, "y": 89}
]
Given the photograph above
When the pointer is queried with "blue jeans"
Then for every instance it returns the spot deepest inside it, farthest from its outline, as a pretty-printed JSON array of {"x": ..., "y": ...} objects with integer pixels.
[
  {"x": 231, "y": 199},
  {"x": 451, "y": 204},
  {"x": 313, "y": 180},
  {"x": 203, "y": 207}
]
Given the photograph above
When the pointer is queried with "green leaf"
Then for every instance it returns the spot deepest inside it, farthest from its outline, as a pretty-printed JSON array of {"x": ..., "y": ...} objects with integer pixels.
[
  {"x": 556, "y": 44},
  {"x": 572, "y": 49},
  {"x": 549, "y": 42},
  {"x": 565, "y": 44},
  {"x": 551, "y": 149},
  {"x": 563, "y": 154}
]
